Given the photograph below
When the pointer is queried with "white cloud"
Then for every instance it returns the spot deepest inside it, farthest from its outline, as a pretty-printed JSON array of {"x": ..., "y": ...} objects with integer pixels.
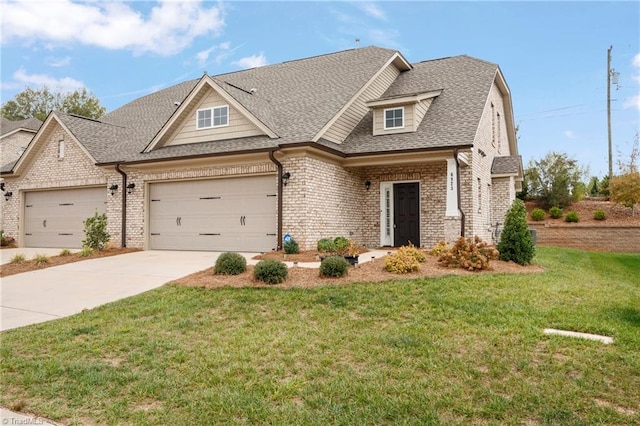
[
  {"x": 636, "y": 61},
  {"x": 569, "y": 134},
  {"x": 632, "y": 102},
  {"x": 372, "y": 10},
  {"x": 58, "y": 62},
  {"x": 252, "y": 61},
  {"x": 64, "y": 85},
  {"x": 169, "y": 27},
  {"x": 223, "y": 51}
]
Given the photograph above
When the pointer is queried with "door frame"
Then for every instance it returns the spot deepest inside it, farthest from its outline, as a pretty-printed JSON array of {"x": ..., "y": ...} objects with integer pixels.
[{"x": 387, "y": 211}]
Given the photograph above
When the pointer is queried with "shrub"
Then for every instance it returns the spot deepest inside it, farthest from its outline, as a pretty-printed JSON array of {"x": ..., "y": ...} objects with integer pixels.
[
  {"x": 415, "y": 252},
  {"x": 439, "y": 248},
  {"x": 401, "y": 262},
  {"x": 95, "y": 231},
  {"x": 18, "y": 258},
  {"x": 291, "y": 247},
  {"x": 85, "y": 252},
  {"x": 41, "y": 259},
  {"x": 65, "y": 252},
  {"x": 334, "y": 266},
  {"x": 270, "y": 271},
  {"x": 472, "y": 254},
  {"x": 325, "y": 245},
  {"x": 341, "y": 245},
  {"x": 516, "y": 243},
  {"x": 230, "y": 264},
  {"x": 5, "y": 240},
  {"x": 571, "y": 217},
  {"x": 555, "y": 212},
  {"x": 599, "y": 214},
  {"x": 537, "y": 215}
]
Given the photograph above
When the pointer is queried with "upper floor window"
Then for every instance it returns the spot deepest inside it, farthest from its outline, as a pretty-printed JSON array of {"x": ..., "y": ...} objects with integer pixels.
[
  {"x": 394, "y": 118},
  {"x": 61, "y": 149},
  {"x": 212, "y": 117}
]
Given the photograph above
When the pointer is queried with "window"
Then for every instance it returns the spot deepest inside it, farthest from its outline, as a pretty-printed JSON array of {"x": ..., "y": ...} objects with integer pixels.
[
  {"x": 498, "y": 131},
  {"x": 212, "y": 117},
  {"x": 394, "y": 118},
  {"x": 61, "y": 149}
]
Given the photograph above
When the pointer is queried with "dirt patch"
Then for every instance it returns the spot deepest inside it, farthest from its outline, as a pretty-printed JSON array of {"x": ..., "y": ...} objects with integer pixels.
[
  {"x": 31, "y": 265},
  {"x": 366, "y": 272},
  {"x": 616, "y": 214}
]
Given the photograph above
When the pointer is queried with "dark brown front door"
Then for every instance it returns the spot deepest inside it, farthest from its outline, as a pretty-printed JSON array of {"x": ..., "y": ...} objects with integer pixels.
[{"x": 406, "y": 208}]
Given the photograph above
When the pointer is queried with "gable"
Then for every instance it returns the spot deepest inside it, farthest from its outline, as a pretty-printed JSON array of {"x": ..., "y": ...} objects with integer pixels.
[
  {"x": 12, "y": 145},
  {"x": 56, "y": 154},
  {"x": 238, "y": 125}
]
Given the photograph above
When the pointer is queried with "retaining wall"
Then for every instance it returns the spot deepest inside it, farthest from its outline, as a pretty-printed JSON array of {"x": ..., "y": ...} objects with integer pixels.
[{"x": 612, "y": 238}]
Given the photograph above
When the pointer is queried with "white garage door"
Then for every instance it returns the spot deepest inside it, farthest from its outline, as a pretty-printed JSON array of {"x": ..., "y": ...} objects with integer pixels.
[
  {"x": 231, "y": 214},
  {"x": 54, "y": 218}
]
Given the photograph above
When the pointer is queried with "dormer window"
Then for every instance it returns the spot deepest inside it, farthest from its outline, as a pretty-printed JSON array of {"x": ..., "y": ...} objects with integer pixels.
[
  {"x": 207, "y": 118},
  {"x": 394, "y": 118}
]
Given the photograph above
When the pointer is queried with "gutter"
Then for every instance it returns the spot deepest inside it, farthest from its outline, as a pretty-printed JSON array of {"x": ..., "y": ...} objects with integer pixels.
[
  {"x": 279, "y": 166},
  {"x": 462, "y": 215},
  {"x": 123, "y": 225}
]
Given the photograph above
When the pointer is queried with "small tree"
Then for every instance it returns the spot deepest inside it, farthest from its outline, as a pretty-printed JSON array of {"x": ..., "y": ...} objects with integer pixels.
[
  {"x": 516, "y": 242},
  {"x": 625, "y": 188},
  {"x": 555, "y": 180},
  {"x": 95, "y": 232}
]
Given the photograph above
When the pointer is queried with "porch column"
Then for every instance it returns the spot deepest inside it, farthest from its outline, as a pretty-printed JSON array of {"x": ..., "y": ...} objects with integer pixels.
[{"x": 452, "y": 189}]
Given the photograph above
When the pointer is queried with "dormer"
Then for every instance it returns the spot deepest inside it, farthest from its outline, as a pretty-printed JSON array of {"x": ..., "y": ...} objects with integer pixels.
[{"x": 401, "y": 113}]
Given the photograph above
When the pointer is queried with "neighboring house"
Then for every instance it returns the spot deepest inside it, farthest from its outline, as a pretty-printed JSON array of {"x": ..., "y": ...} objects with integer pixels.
[
  {"x": 14, "y": 138},
  {"x": 359, "y": 143}
]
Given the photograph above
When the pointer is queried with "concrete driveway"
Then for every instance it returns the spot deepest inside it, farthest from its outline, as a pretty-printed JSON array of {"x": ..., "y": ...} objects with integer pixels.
[{"x": 60, "y": 291}]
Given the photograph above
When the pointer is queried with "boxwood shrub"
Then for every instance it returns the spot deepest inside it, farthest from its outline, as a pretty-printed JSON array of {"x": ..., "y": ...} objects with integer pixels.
[
  {"x": 270, "y": 271},
  {"x": 230, "y": 264},
  {"x": 599, "y": 214},
  {"x": 334, "y": 266},
  {"x": 555, "y": 212},
  {"x": 291, "y": 247},
  {"x": 572, "y": 217},
  {"x": 537, "y": 215}
]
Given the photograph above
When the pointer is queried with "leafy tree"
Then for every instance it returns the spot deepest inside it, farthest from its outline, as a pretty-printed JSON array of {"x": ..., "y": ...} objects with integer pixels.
[
  {"x": 555, "y": 180},
  {"x": 625, "y": 188},
  {"x": 95, "y": 231},
  {"x": 37, "y": 103},
  {"x": 516, "y": 242},
  {"x": 594, "y": 187}
]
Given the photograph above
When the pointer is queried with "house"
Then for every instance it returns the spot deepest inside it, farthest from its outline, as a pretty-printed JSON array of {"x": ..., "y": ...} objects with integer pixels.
[
  {"x": 15, "y": 136},
  {"x": 359, "y": 143}
]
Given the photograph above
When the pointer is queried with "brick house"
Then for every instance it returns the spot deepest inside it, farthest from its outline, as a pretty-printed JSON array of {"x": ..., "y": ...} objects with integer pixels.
[{"x": 359, "y": 143}]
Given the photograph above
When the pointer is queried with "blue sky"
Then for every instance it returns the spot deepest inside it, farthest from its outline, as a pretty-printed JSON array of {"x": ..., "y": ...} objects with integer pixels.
[{"x": 553, "y": 54}]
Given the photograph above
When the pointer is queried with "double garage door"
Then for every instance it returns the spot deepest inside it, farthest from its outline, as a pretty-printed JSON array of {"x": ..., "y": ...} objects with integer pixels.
[
  {"x": 55, "y": 218},
  {"x": 230, "y": 214}
]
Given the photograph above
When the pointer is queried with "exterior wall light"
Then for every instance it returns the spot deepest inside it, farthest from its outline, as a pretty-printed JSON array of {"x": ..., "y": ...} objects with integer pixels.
[
  {"x": 113, "y": 188},
  {"x": 130, "y": 187},
  {"x": 285, "y": 178},
  {"x": 7, "y": 195},
  {"x": 367, "y": 184}
]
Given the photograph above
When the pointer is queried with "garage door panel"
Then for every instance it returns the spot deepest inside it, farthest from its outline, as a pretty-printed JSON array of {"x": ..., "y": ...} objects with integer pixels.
[
  {"x": 235, "y": 214},
  {"x": 55, "y": 218}
]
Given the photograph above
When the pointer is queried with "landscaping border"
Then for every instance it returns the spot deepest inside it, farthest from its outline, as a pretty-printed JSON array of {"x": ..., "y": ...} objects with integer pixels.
[{"x": 610, "y": 238}]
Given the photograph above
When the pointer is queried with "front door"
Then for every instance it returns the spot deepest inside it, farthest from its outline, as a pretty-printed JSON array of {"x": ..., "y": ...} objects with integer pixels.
[{"x": 406, "y": 214}]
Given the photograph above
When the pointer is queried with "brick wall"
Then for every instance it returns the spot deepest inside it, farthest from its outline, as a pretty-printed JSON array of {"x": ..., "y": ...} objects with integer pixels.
[
  {"x": 589, "y": 237},
  {"x": 46, "y": 171},
  {"x": 11, "y": 146}
]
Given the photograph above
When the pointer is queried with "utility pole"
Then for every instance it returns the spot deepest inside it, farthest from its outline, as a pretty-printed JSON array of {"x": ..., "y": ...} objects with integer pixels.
[{"x": 609, "y": 110}]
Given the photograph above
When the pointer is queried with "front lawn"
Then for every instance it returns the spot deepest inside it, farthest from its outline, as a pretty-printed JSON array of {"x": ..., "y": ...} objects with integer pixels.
[{"x": 447, "y": 350}]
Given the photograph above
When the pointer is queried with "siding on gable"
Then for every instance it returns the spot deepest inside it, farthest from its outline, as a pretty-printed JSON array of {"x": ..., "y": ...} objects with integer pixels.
[
  {"x": 345, "y": 124},
  {"x": 239, "y": 126},
  {"x": 409, "y": 120},
  {"x": 421, "y": 110}
]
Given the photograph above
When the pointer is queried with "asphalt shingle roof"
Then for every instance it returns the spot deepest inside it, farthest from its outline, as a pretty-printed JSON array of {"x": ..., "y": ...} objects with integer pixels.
[
  {"x": 8, "y": 126},
  {"x": 506, "y": 165},
  {"x": 296, "y": 100}
]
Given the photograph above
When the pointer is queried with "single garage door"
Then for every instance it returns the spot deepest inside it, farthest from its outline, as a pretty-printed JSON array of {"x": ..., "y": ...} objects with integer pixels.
[
  {"x": 231, "y": 214},
  {"x": 55, "y": 218}
]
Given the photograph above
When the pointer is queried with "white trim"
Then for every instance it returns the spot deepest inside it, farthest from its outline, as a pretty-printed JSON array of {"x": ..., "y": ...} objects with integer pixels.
[
  {"x": 403, "y": 100},
  {"x": 452, "y": 189},
  {"x": 387, "y": 240},
  {"x": 212, "y": 109},
  {"x": 384, "y": 118}
]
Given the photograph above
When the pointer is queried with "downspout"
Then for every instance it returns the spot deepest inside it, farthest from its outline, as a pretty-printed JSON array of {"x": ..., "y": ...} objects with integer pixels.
[
  {"x": 123, "y": 225},
  {"x": 462, "y": 216},
  {"x": 279, "y": 166}
]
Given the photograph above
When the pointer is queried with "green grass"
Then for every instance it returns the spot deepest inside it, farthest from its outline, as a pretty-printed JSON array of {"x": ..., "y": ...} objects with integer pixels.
[{"x": 452, "y": 350}]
